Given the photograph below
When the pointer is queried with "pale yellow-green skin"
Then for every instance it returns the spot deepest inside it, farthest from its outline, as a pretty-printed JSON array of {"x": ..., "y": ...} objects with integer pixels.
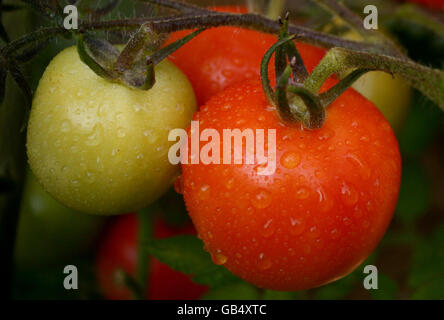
[
  {"x": 390, "y": 94},
  {"x": 101, "y": 147}
]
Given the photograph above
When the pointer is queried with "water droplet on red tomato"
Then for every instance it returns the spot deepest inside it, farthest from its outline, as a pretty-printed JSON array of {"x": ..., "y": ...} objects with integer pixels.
[
  {"x": 204, "y": 192},
  {"x": 268, "y": 229},
  {"x": 314, "y": 232},
  {"x": 349, "y": 194},
  {"x": 326, "y": 134},
  {"x": 302, "y": 193},
  {"x": 290, "y": 159},
  {"x": 218, "y": 258},
  {"x": 261, "y": 199},
  {"x": 363, "y": 169},
  {"x": 264, "y": 263},
  {"x": 334, "y": 234},
  {"x": 297, "y": 226},
  {"x": 325, "y": 202},
  {"x": 364, "y": 139},
  {"x": 229, "y": 184}
]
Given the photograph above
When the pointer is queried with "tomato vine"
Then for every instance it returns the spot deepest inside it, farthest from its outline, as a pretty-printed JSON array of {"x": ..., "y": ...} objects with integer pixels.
[{"x": 376, "y": 53}]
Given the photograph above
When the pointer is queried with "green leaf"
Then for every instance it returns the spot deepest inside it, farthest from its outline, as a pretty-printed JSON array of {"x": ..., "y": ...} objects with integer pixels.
[
  {"x": 337, "y": 290},
  {"x": 438, "y": 235},
  {"x": 427, "y": 260},
  {"x": 185, "y": 254},
  {"x": 387, "y": 288},
  {"x": 169, "y": 49},
  {"x": 233, "y": 291},
  {"x": 103, "y": 52},
  {"x": 414, "y": 194},
  {"x": 85, "y": 48},
  {"x": 423, "y": 122},
  {"x": 172, "y": 208},
  {"x": 431, "y": 290}
]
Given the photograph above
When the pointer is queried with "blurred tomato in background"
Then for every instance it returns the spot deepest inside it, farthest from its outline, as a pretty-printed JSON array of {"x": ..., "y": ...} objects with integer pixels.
[
  {"x": 221, "y": 57},
  {"x": 49, "y": 233},
  {"x": 118, "y": 251},
  {"x": 434, "y": 4}
]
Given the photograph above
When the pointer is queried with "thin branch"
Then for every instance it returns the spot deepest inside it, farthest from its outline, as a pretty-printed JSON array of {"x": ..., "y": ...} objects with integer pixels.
[
  {"x": 355, "y": 22},
  {"x": 359, "y": 54},
  {"x": 332, "y": 94},
  {"x": 29, "y": 53},
  {"x": 102, "y": 11},
  {"x": 39, "y": 35},
  {"x": 344, "y": 13},
  {"x": 248, "y": 21},
  {"x": 19, "y": 78}
]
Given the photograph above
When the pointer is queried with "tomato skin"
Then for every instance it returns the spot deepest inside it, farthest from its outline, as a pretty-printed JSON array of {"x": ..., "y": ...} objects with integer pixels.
[
  {"x": 119, "y": 251},
  {"x": 49, "y": 232},
  {"x": 220, "y": 57},
  {"x": 319, "y": 215},
  {"x": 101, "y": 147}
]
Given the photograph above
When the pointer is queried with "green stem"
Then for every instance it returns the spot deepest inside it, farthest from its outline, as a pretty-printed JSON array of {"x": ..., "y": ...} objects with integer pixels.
[
  {"x": 429, "y": 81},
  {"x": 315, "y": 112},
  {"x": 329, "y": 96},
  {"x": 289, "y": 51},
  {"x": 264, "y": 69},
  {"x": 86, "y": 57},
  {"x": 134, "y": 47}
]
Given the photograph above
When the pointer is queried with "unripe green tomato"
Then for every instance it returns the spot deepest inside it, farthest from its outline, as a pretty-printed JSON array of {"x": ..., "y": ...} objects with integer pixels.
[
  {"x": 49, "y": 232},
  {"x": 391, "y": 94},
  {"x": 101, "y": 147}
]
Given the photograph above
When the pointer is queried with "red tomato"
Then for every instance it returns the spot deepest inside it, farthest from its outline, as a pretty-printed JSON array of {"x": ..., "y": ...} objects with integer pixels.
[
  {"x": 322, "y": 211},
  {"x": 119, "y": 251},
  {"x": 435, "y": 4},
  {"x": 220, "y": 57}
]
